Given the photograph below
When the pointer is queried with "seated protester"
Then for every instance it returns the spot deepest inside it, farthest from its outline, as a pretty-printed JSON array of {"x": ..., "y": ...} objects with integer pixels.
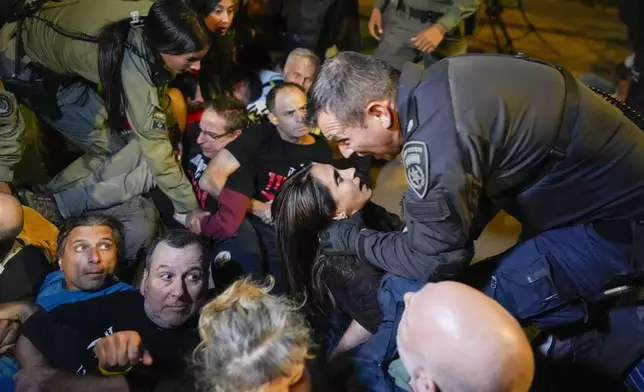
[
  {"x": 228, "y": 33},
  {"x": 97, "y": 195},
  {"x": 275, "y": 150},
  {"x": 223, "y": 218},
  {"x": 22, "y": 268},
  {"x": 436, "y": 340},
  {"x": 301, "y": 67},
  {"x": 138, "y": 339},
  {"x": 252, "y": 341},
  {"x": 331, "y": 283},
  {"x": 214, "y": 79},
  {"x": 88, "y": 250}
]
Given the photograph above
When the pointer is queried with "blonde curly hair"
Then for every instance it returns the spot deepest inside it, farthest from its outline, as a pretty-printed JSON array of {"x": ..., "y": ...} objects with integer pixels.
[{"x": 248, "y": 338}]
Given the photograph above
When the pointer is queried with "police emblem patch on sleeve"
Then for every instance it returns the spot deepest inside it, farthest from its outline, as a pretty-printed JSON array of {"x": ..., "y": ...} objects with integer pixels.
[
  {"x": 158, "y": 121},
  {"x": 416, "y": 160},
  {"x": 6, "y": 106}
]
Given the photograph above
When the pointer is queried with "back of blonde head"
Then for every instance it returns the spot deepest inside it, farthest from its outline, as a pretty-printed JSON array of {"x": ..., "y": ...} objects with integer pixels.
[{"x": 248, "y": 338}]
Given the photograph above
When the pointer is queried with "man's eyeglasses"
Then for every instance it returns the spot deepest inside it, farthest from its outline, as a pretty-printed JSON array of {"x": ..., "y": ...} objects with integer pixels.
[{"x": 215, "y": 137}]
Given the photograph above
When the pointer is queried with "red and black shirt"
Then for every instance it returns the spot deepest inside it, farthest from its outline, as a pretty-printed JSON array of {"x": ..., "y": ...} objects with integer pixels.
[{"x": 274, "y": 159}]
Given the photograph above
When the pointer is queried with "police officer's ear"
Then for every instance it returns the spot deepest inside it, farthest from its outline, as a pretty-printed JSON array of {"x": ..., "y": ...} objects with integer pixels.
[{"x": 382, "y": 111}]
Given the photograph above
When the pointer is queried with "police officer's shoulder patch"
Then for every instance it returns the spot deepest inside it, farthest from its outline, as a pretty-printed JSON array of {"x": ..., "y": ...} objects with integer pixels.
[
  {"x": 416, "y": 160},
  {"x": 158, "y": 121},
  {"x": 6, "y": 106}
]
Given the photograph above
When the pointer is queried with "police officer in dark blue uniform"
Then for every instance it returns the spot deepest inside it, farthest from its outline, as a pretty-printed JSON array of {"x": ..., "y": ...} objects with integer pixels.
[{"x": 480, "y": 133}]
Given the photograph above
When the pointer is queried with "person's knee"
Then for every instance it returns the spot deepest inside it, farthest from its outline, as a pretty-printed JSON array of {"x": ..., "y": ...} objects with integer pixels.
[
  {"x": 148, "y": 223},
  {"x": 141, "y": 221}
]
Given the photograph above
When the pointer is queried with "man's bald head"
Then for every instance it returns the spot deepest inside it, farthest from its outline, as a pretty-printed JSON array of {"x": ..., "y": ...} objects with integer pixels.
[
  {"x": 11, "y": 220},
  {"x": 453, "y": 338}
]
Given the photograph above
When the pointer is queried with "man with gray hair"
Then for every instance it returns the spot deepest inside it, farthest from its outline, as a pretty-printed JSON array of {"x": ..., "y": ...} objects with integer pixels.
[
  {"x": 300, "y": 67},
  {"x": 523, "y": 136}
]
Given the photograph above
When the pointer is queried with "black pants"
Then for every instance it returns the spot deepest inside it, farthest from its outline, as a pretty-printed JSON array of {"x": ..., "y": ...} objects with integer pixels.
[{"x": 273, "y": 262}]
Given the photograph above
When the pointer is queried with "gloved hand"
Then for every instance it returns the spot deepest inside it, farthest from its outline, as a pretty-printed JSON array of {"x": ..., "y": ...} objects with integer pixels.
[{"x": 339, "y": 239}]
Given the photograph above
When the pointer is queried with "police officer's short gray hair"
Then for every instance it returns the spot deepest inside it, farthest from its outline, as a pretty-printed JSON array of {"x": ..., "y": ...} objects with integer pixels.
[
  {"x": 248, "y": 338},
  {"x": 304, "y": 54},
  {"x": 347, "y": 83}
]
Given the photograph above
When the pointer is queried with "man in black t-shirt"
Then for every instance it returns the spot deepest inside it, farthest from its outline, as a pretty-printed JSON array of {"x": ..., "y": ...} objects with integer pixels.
[
  {"x": 138, "y": 338},
  {"x": 237, "y": 250},
  {"x": 222, "y": 122},
  {"x": 275, "y": 150}
]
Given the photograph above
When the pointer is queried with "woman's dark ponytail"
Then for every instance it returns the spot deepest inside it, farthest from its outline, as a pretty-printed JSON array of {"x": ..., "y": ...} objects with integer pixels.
[{"x": 111, "y": 49}]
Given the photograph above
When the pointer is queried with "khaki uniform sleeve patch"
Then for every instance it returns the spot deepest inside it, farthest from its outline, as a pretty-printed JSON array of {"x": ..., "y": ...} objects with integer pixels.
[{"x": 159, "y": 121}]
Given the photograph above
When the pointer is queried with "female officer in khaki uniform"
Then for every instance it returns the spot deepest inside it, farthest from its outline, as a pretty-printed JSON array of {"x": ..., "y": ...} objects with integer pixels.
[{"x": 132, "y": 50}]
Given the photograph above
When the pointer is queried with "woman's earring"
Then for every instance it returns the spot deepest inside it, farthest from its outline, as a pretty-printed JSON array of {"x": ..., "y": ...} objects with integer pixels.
[{"x": 341, "y": 215}]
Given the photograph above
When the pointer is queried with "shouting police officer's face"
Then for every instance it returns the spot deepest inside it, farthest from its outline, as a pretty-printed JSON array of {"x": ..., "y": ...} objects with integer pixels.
[{"x": 378, "y": 135}]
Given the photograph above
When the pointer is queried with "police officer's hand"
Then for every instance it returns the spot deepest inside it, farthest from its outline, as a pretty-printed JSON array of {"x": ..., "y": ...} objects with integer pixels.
[
  {"x": 375, "y": 24},
  {"x": 121, "y": 350},
  {"x": 339, "y": 239},
  {"x": 428, "y": 40}
]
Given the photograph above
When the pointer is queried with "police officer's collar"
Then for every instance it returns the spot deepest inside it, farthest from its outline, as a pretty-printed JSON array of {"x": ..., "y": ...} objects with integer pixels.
[{"x": 411, "y": 76}]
